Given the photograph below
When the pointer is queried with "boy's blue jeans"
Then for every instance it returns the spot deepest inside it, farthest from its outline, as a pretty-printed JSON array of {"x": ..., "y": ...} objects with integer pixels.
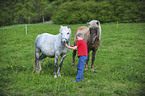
[{"x": 80, "y": 67}]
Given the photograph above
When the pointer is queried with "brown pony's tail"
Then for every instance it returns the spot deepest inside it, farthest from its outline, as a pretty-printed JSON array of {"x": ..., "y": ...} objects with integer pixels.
[{"x": 34, "y": 61}]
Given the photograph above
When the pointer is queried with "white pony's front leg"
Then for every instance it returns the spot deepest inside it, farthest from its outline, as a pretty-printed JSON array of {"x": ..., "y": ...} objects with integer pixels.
[
  {"x": 60, "y": 65},
  {"x": 56, "y": 65}
]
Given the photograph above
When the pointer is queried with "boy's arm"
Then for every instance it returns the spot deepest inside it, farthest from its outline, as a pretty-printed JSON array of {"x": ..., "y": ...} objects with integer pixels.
[{"x": 74, "y": 48}]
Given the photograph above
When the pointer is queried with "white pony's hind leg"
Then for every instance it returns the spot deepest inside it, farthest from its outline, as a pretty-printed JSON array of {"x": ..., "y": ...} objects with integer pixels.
[
  {"x": 39, "y": 66},
  {"x": 34, "y": 61},
  {"x": 40, "y": 58}
]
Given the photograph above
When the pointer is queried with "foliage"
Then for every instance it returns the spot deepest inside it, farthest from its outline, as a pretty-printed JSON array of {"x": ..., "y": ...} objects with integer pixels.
[
  {"x": 24, "y": 11},
  {"x": 105, "y": 11},
  {"x": 69, "y": 11},
  {"x": 119, "y": 65}
]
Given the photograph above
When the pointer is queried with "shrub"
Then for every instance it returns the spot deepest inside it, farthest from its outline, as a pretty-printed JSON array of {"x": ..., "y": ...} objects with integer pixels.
[
  {"x": 74, "y": 12},
  {"x": 104, "y": 11}
]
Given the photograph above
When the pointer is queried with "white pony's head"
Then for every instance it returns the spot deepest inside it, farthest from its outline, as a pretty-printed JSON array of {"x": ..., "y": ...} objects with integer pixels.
[{"x": 65, "y": 34}]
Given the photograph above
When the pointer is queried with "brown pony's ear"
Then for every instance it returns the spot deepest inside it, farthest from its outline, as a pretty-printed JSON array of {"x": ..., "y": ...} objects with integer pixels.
[{"x": 98, "y": 23}]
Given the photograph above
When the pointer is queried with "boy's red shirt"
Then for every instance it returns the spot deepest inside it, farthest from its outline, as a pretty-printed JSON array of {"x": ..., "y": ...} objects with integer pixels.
[{"x": 82, "y": 48}]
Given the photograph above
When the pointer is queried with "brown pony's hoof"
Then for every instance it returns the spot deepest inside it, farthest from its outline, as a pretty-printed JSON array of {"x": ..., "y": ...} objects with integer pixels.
[
  {"x": 86, "y": 68},
  {"x": 92, "y": 69},
  {"x": 73, "y": 65}
]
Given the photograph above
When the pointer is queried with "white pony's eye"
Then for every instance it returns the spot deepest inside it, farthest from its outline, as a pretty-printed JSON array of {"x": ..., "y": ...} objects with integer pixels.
[{"x": 67, "y": 33}]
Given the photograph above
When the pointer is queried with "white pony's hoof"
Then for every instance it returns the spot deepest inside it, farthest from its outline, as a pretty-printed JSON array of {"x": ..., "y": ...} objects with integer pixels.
[
  {"x": 37, "y": 72},
  {"x": 55, "y": 76},
  {"x": 59, "y": 75}
]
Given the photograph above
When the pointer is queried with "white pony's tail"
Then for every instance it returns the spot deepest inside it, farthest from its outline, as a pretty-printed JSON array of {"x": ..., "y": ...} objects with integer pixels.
[{"x": 34, "y": 61}]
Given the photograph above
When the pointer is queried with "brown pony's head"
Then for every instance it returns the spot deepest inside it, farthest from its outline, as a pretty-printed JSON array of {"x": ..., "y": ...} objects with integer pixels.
[
  {"x": 93, "y": 35},
  {"x": 94, "y": 26}
]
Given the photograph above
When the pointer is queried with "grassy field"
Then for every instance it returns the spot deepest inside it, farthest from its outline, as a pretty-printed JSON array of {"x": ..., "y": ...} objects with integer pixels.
[{"x": 119, "y": 64}]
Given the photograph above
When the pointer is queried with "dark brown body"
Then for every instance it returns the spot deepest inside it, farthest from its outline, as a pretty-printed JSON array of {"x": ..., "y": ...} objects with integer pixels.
[
  {"x": 92, "y": 38},
  {"x": 93, "y": 45}
]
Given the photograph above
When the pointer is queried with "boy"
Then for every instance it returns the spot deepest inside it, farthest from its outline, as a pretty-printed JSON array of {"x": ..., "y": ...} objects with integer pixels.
[{"x": 81, "y": 46}]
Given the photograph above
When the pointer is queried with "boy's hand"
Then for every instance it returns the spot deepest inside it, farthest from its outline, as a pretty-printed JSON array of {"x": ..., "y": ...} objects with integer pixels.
[
  {"x": 74, "y": 48},
  {"x": 72, "y": 45},
  {"x": 66, "y": 45}
]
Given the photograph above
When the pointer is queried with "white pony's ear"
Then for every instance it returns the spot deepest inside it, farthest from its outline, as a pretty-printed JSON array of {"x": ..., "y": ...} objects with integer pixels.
[
  {"x": 87, "y": 23},
  {"x": 68, "y": 26},
  {"x": 61, "y": 26},
  {"x": 97, "y": 23}
]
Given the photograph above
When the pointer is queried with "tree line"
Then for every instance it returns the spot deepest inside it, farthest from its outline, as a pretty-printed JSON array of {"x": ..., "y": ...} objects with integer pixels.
[{"x": 69, "y": 11}]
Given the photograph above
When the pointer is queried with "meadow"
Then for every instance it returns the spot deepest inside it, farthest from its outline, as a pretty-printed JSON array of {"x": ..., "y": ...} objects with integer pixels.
[{"x": 119, "y": 65}]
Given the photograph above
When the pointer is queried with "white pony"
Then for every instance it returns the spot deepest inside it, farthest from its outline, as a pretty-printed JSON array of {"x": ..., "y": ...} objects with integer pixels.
[{"x": 52, "y": 46}]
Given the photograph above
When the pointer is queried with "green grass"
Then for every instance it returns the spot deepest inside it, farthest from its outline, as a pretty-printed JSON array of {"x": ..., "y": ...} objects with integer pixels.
[{"x": 119, "y": 64}]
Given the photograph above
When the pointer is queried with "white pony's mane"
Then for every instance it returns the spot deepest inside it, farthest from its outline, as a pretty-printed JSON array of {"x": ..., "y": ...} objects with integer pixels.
[{"x": 66, "y": 28}]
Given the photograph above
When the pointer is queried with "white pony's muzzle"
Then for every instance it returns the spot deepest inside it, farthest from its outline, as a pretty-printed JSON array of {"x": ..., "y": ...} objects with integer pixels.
[{"x": 64, "y": 40}]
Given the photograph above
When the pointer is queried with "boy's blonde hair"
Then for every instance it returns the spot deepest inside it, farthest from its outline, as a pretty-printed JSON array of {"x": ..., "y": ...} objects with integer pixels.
[{"x": 80, "y": 35}]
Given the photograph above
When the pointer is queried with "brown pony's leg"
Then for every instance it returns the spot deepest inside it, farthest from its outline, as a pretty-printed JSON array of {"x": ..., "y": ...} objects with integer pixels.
[
  {"x": 94, "y": 53},
  {"x": 74, "y": 54},
  {"x": 93, "y": 59},
  {"x": 86, "y": 67}
]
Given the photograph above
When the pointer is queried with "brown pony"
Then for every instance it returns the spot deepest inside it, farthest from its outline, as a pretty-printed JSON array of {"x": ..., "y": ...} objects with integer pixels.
[{"x": 92, "y": 36}]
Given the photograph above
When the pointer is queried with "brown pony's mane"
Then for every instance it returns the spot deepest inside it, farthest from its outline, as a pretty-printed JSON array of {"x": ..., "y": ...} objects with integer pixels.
[
  {"x": 92, "y": 36},
  {"x": 85, "y": 31}
]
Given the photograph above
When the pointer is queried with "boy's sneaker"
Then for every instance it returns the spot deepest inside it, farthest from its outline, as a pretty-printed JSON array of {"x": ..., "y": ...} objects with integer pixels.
[{"x": 75, "y": 81}]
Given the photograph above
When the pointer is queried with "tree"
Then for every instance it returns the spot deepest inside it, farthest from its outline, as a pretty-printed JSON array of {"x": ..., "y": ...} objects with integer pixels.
[
  {"x": 69, "y": 11},
  {"x": 6, "y": 12}
]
